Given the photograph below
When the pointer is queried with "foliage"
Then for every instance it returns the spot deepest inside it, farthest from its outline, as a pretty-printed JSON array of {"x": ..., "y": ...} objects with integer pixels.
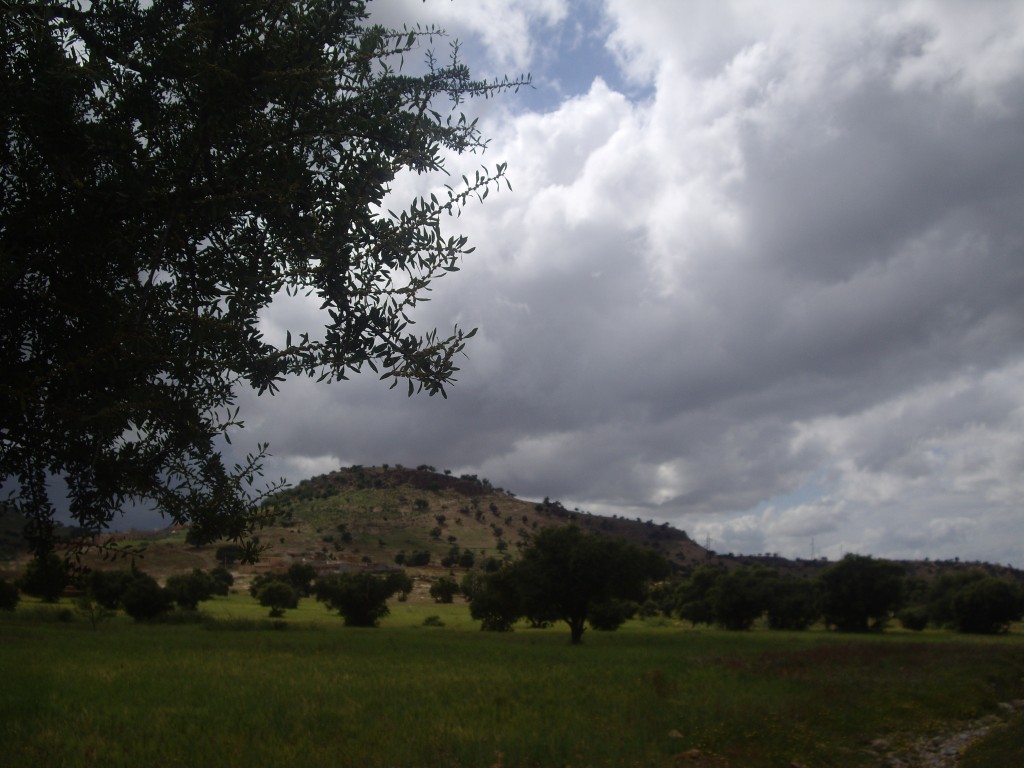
[
  {"x": 169, "y": 170},
  {"x": 144, "y": 600},
  {"x": 92, "y": 609},
  {"x": 301, "y": 576},
  {"x": 791, "y": 603},
  {"x": 565, "y": 573},
  {"x": 190, "y": 589},
  {"x": 45, "y": 576},
  {"x": 107, "y": 587},
  {"x": 495, "y": 599},
  {"x": 361, "y": 598},
  {"x": 222, "y": 580},
  {"x": 987, "y": 606},
  {"x": 444, "y": 589},
  {"x": 693, "y": 595},
  {"x": 9, "y": 595},
  {"x": 859, "y": 592},
  {"x": 611, "y": 614},
  {"x": 739, "y": 597},
  {"x": 278, "y": 596},
  {"x": 913, "y": 617}
]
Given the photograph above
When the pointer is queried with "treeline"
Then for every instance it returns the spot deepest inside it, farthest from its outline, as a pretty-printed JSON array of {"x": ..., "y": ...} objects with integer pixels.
[{"x": 857, "y": 594}]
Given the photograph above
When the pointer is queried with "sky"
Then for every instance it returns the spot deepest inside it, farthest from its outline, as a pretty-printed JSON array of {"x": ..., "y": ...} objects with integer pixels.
[{"x": 760, "y": 276}]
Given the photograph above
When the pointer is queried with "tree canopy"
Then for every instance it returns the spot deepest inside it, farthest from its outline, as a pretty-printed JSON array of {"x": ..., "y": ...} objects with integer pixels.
[
  {"x": 167, "y": 171},
  {"x": 574, "y": 577}
]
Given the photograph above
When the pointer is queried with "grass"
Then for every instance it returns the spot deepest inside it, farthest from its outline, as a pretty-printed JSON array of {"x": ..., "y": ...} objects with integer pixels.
[{"x": 318, "y": 694}]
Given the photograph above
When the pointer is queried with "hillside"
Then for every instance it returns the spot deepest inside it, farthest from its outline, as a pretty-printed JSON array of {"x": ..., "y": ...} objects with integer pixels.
[{"x": 428, "y": 522}]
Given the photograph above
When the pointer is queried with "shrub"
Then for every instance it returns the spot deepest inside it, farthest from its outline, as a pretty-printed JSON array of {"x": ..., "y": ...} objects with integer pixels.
[
  {"x": 361, "y": 598},
  {"x": 190, "y": 589},
  {"x": 987, "y": 606},
  {"x": 913, "y": 617},
  {"x": 45, "y": 577},
  {"x": 144, "y": 599},
  {"x": 107, "y": 587},
  {"x": 444, "y": 589},
  {"x": 609, "y": 615},
  {"x": 278, "y": 596},
  {"x": 9, "y": 596}
]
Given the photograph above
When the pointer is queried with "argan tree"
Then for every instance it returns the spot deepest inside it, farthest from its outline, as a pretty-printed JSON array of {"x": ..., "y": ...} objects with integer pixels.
[
  {"x": 361, "y": 598},
  {"x": 168, "y": 170},
  {"x": 571, "y": 576}
]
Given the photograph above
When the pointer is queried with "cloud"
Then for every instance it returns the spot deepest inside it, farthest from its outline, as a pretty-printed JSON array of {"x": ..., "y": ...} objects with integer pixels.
[{"x": 765, "y": 281}]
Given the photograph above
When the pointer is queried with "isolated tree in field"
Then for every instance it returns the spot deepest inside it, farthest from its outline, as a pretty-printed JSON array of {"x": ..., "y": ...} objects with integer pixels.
[
  {"x": 566, "y": 574},
  {"x": 361, "y": 598},
  {"x": 167, "y": 170},
  {"x": 278, "y": 595},
  {"x": 858, "y": 593},
  {"x": 222, "y": 580}
]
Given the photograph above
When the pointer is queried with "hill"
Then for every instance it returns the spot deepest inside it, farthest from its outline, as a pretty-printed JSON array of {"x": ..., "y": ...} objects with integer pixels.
[{"x": 428, "y": 522}]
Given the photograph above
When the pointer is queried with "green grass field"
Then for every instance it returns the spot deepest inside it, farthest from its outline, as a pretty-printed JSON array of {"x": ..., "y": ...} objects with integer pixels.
[{"x": 236, "y": 692}]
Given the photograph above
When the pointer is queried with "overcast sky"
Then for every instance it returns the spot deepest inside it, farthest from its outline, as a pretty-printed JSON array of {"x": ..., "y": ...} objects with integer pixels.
[{"x": 761, "y": 276}]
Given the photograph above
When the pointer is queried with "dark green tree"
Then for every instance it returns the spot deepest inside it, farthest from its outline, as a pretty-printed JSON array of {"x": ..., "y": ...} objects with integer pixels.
[
  {"x": 792, "y": 603},
  {"x": 107, "y": 587},
  {"x": 987, "y": 606},
  {"x": 168, "y": 170},
  {"x": 565, "y": 573},
  {"x": 494, "y": 599},
  {"x": 361, "y": 598},
  {"x": 222, "y": 580},
  {"x": 278, "y": 595},
  {"x": 45, "y": 576},
  {"x": 188, "y": 590},
  {"x": 444, "y": 589},
  {"x": 9, "y": 595},
  {"x": 858, "y": 593},
  {"x": 693, "y": 595},
  {"x": 144, "y": 599},
  {"x": 739, "y": 597},
  {"x": 301, "y": 577}
]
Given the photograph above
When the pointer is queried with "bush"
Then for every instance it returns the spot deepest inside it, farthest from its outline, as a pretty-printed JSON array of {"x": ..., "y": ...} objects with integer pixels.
[
  {"x": 278, "y": 596},
  {"x": 444, "y": 589},
  {"x": 914, "y": 617},
  {"x": 45, "y": 577},
  {"x": 609, "y": 615},
  {"x": 987, "y": 606},
  {"x": 792, "y": 604},
  {"x": 361, "y": 598},
  {"x": 222, "y": 580},
  {"x": 144, "y": 599},
  {"x": 9, "y": 596},
  {"x": 190, "y": 589},
  {"x": 433, "y": 621},
  {"x": 107, "y": 587}
]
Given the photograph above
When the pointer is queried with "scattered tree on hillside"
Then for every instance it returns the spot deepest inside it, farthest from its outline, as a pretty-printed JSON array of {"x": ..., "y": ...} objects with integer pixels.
[
  {"x": 169, "y": 170},
  {"x": 361, "y": 598}
]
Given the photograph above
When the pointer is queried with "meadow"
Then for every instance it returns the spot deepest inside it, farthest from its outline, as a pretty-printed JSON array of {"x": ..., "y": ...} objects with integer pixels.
[{"x": 238, "y": 690}]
